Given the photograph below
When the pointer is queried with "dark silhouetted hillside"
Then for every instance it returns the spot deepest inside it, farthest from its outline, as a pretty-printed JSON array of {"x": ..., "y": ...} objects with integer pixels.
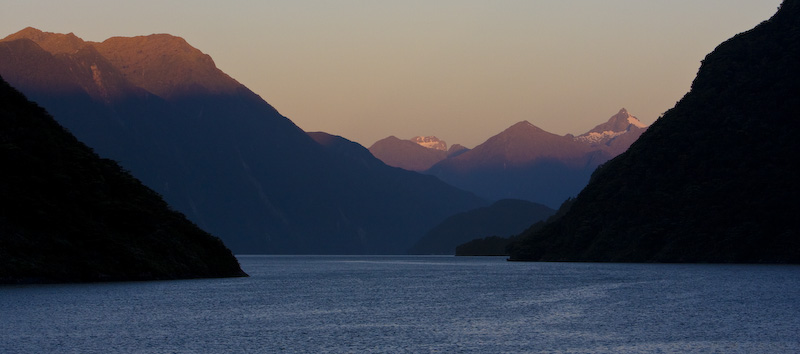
[
  {"x": 714, "y": 180},
  {"x": 67, "y": 215},
  {"x": 501, "y": 246}
]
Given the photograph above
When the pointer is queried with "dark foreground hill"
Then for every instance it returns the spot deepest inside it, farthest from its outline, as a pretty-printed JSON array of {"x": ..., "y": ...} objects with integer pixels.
[
  {"x": 714, "y": 180},
  {"x": 67, "y": 215}
]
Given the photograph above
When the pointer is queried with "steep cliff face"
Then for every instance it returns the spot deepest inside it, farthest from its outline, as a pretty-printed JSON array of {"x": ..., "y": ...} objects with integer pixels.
[
  {"x": 713, "y": 180},
  {"x": 67, "y": 215}
]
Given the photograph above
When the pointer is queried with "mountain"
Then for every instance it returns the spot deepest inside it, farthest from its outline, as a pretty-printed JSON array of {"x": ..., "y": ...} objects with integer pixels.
[
  {"x": 456, "y": 149},
  {"x": 416, "y": 154},
  {"x": 67, "y": 215},
  {"x": 217, "y": 151},
  {"x": 501, "y": 246},
  {"x": 406, "y": 154},
  {"x": 56, "y": 43},
  {"x": 401, "y": 188},
  {"x": 714, "y": 180},
  {"x": 526, "y": 162},
  {"x": 502, "y": 218},
  {"x": 615, "y": 135}
]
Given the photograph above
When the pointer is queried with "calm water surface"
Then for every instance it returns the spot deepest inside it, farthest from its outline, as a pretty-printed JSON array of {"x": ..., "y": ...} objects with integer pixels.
[{"x": 409, "y": 304}]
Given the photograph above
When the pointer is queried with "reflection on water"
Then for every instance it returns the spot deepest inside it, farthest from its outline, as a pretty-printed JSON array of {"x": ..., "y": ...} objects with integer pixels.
[{"x": 396, "y": 304}]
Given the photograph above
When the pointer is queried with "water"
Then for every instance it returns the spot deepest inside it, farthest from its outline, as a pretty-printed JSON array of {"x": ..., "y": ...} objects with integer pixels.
[{"x": 399, "y": 304}]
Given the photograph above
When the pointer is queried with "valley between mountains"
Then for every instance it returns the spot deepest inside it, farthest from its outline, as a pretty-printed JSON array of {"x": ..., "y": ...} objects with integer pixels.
[{"x": 227, "y": 159}]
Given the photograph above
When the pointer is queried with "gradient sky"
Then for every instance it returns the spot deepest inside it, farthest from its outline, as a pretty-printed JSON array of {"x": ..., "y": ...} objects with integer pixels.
[{"x": 462, "y": 70}]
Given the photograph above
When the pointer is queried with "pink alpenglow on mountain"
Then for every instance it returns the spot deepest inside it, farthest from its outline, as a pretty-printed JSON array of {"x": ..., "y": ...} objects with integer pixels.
[{"x": 529, "y": 163}]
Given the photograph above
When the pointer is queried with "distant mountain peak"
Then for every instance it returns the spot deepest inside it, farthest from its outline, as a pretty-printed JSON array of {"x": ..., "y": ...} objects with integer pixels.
[
  {"x": 620, "y": 121},
  {"x": 55, "y": 43},
  {"x": 524, "y": 128},
  {"x": 162, "y": 64},
  {"x": 430, "y": 142},
  {"x": 456, "y": 149},
  {"x": 166, "y": 65},
  {"x": 415, "y": 154},
  {"x": 27, "y": 32},
  {"x": 523, "y": 124},
  {"x": 618, "y": 124},
  {"x": 521, "y": 144}
]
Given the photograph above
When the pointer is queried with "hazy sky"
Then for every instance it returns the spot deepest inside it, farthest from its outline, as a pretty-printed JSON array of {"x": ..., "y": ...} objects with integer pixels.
[{"x": 462, "y": 70}]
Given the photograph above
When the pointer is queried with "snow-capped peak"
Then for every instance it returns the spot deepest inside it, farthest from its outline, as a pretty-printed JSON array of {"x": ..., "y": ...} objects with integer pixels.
[
  {"x": 617, "y": 125},
  {"x": 430, "y": 142}
]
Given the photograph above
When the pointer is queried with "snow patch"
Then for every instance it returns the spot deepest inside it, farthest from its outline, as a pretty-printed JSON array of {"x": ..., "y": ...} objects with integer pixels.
[
  {"x": 594, "y": 137},
  {"x": 635, "y": 122},
  {"x": 430, "y": 142}
]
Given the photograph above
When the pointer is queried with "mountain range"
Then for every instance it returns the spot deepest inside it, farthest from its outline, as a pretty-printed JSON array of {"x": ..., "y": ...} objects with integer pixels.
[
  {"x": 219, "y": 153},
  {"x": 522, "y": 162},
  {"x": 67, "y": 215},
  {"x": 714, "y": 180}
]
